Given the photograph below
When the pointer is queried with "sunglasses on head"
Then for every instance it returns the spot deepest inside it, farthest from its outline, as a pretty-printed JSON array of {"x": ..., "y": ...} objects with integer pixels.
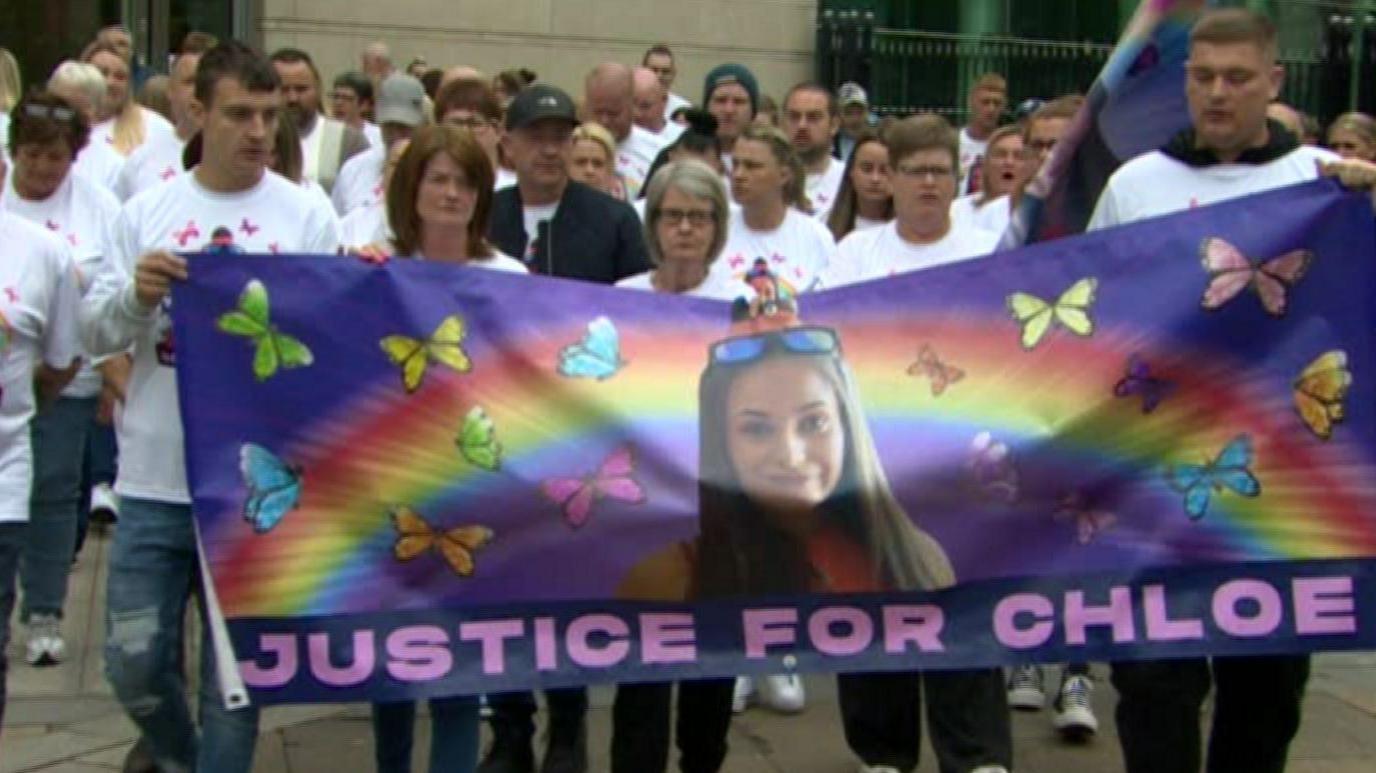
[
  {"x": 794, "y": 340},
  {"x": 49, "y": 111}
]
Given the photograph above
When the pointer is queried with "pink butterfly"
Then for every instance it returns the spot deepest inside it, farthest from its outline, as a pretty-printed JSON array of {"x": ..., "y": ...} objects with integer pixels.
[
  {"x": 12, "y": 294},
  {"x": 249, "y": 228},
  {"x": 612, "y": 479},
  {"x": 274, "y": 248},
  {"x": 777, "y": 258},
  {"x": 1089, "y": 522},
  {"x": 169, "y": 173},
  {"x": 71, "y": 239},
  {"x": 1230, "y": 272},
  {"x": 187, "y": 234},
  {"x": 990, "y": 466},
  {"x": 737, "y": 261},
  {"x": 52, "y": 226}
]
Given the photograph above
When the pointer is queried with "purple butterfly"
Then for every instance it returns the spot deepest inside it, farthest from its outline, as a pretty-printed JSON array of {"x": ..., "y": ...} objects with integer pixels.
[
  {"x": 1138, "y": 380},
  {"x": 989, "y": 465},
  {"x": 1088, "y": 521}
]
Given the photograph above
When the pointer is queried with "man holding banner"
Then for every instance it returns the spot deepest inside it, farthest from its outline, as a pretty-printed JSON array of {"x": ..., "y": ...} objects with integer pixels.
[
  {"x": 1231, "y": 151},
  {"x": 229, "y": 203}
]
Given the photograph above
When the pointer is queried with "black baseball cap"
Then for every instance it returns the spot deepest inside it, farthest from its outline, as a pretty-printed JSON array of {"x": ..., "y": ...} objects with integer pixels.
[{"x": 540, "y": 100}]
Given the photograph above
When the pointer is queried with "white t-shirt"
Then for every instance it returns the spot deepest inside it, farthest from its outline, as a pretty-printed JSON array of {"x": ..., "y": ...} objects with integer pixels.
[
  {"x": 373, "y": 133},
  {"x": 4, "y": 135},
  {"x": 38, "y": 301},
  {"x": 972, "y": 153},
  {"x": 359, "y": 182},
  {"x": 274, "y": 216},
  {"x": 156, "y": 161},
  {"x": 798, "y": 251},
  {"x": 881, "y": 252},
  {"x": 716, "y": 286},
  {"x": 100, "y": 164},
  {"x": 364, "y": 226},
  {"x": 863, "y": 224},
  {"x": 531, "y": 217},
  {"x": 993, "y": 216},
  {"x": 667, "y": 135},
  {"x": 153, "y": 125},
  {"x": 672, "y": 103},
  {"x": 504, "y": 178},
  {"x": 823, "y": 187},
  {"x": 310, "y": 149},
  {"x": 634, "y": 156},
  {"x": 499, "y": 261},
  {"x": 1156, "y": 184},
  {"x": 80, "y": 213}
]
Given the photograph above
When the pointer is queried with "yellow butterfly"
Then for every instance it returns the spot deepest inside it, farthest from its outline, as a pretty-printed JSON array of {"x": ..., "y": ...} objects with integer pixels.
[
  {"x": 1071, "y": 310},
  {"x": 412, "y": 356},
  {"x": 457, "y": 546},
  {"x": 1320, "y": 391}
]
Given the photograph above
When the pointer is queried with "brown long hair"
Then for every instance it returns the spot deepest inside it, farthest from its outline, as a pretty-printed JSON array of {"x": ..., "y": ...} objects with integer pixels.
[
  {"x": 741, "y": 553},
  {"x": 841, "y": 221},
  {"x": 429, "y": 141}
]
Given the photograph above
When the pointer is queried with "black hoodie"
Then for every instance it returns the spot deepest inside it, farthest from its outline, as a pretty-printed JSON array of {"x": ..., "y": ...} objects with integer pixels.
[{"x": 1184, "y": 147}]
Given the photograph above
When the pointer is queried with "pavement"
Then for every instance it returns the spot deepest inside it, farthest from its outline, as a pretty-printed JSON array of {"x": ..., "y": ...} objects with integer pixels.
[{"x": 62, "y": 719}]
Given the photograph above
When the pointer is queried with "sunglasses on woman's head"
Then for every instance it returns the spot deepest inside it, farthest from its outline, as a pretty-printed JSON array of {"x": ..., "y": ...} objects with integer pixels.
[
  {"x": 49, "y": 111},
  {"x": 796, "y": 340}
]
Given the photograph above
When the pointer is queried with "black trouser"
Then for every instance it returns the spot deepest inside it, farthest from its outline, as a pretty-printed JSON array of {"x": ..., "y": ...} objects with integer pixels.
[
  {"x": 640, "y": 726},
  {"x": 1256, "y": 712},
  {"x": 513, "y": 713},
  {"x": 967, "y": 714}
]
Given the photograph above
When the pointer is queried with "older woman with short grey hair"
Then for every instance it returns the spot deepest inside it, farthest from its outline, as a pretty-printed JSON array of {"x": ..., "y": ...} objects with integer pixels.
[
  {"x": 83, "y": 87},
  {"x": 686, "y": 220}
]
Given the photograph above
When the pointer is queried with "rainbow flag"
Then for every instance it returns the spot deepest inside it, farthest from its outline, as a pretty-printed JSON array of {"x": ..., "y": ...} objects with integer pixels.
[
  {"x": 1135, "y": 105},
  {"x": 417, "y": 480}
]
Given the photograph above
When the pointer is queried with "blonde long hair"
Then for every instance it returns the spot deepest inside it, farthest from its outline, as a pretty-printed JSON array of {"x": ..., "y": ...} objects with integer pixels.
[
  {"x": 795, "y": 191},
  {"x": 130, "y": 128},
  {"x": 11, "y": 86}
]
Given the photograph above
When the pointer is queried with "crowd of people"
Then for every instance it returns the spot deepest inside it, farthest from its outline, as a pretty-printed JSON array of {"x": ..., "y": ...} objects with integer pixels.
[{"x": 109, "y": 174}]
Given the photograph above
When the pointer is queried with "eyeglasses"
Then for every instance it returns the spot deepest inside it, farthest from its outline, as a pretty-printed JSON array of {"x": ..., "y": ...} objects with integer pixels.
[
  {"x": 697, "y": 218},
  {"x": 937, "y": 173},
  {"x": 795, "y": 340},
  {"x": 49, "y": 111}
]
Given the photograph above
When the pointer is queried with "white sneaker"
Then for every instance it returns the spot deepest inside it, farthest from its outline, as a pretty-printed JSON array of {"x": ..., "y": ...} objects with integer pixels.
[
  {"x": 878, "y": 769},
  {"x": 1025, "y": 689},
  {"x": 104, "y": 503},
  {"x": 45, "y": 647},
  {"x": 745, "y": 689},
  {"x": 990, "y": 769},
  {"x": 1074, "y": 709},
  {"x": 783, "y": 693}
]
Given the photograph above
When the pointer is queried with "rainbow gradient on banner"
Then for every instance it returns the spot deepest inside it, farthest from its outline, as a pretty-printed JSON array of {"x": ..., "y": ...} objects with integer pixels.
[{"x": 1086, "y": 480}]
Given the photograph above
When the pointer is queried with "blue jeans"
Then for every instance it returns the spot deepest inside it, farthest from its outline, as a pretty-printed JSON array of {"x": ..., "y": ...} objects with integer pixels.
[
  {"x": 11, "y": 546},
  {"x": 453, "y": 735},
  {"x": 59, "y": 444},
  {"x": 153, "y": 572}
]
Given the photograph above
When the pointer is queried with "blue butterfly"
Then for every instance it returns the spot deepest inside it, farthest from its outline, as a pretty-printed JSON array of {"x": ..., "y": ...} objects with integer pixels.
[
  {"x": 274, "y": 489},
  {"x": 1229, "y": 470},
  {"x": 597, "y": 355}
]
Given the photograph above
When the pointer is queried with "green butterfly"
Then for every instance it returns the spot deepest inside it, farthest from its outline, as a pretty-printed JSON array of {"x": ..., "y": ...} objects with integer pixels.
[
  {"x": 273, "y": 348},
  {"x": 477, "y": 440}
]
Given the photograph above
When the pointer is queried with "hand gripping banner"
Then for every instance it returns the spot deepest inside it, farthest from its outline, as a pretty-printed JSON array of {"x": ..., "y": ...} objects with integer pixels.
[{"x": 1156, "y": 441}]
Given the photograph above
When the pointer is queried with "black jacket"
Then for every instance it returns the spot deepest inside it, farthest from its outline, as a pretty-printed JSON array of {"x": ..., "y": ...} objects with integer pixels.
[
  {"x": 592, "y": 236},
  {"x": 1184, "y": 148}
]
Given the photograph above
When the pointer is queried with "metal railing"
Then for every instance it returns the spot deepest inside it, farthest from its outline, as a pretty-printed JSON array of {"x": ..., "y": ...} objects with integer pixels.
[{"x": 909, "y": 71}]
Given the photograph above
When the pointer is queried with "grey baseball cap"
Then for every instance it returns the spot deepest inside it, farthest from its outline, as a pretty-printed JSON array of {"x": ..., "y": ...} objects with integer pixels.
[{"x": 401, "y": 99}]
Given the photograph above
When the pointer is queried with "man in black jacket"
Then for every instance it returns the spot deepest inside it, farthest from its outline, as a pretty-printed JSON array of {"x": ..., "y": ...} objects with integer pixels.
[
  {"x": 555, "y": 225},
  {"x": 566, "y": 229}
]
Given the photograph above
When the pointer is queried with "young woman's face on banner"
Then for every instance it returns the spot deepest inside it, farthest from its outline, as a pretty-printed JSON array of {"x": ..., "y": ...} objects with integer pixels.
[{"x": 785, "y": 438}]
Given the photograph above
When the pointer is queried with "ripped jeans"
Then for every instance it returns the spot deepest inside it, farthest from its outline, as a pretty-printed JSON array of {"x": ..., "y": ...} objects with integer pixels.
[{"x": 153, "y": 572}]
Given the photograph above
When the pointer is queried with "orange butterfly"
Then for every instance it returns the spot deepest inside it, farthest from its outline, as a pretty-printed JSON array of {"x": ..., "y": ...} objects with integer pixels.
[
  {"x": 456, "y": 546},
  {"x": 941, "y": 374}
]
